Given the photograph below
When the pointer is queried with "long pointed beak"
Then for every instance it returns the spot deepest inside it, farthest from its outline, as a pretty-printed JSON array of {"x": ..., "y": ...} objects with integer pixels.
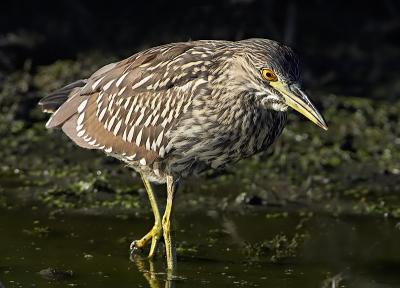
[{"x": 298, "y": 100}]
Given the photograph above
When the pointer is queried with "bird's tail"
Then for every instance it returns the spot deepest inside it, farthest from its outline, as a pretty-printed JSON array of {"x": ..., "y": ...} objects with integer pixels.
[{"x": 52, "y": 102}]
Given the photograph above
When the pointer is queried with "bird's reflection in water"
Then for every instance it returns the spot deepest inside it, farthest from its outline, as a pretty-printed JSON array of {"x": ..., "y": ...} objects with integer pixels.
[{"x": 156, "y": 278}]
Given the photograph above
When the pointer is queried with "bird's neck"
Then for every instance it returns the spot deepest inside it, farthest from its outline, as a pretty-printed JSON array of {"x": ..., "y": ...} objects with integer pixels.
[{"x": 241, "y": 110}]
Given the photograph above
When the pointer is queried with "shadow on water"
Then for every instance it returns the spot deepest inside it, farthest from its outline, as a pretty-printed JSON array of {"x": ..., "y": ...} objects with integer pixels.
[{"x": 40, "y": 248}]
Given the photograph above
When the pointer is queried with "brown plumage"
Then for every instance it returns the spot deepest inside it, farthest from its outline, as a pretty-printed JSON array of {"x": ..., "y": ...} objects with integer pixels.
[
  {"x": 126, "y": 108},
  {"x": 182, "y": 108}
]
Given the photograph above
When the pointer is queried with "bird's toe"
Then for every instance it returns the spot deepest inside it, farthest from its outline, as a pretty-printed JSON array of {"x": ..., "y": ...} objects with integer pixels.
[{"x": 135, "y": 249}]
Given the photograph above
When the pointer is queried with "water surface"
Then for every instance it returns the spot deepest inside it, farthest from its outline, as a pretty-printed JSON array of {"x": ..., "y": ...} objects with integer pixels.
[{"x": 216, "y": 250}]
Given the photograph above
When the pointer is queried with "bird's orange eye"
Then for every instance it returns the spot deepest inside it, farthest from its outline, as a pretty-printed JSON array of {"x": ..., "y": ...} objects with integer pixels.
[{"x": 269, "y": 75}]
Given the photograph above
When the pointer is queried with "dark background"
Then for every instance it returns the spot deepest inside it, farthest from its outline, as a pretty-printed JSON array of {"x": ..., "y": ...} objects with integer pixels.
[{"x": 348, "y": 47}]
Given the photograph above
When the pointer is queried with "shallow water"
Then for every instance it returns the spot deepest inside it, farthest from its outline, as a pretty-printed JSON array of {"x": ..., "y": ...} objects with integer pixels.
[{"x": 92, "y": 251}]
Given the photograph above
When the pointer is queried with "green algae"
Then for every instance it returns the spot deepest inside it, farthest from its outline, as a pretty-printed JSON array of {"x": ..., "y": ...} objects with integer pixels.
[{"x": 279, "y": 249}]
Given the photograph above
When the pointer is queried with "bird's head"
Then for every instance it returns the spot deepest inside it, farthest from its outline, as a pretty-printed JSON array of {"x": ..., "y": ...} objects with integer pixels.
[{"x": 274, "y": 72}]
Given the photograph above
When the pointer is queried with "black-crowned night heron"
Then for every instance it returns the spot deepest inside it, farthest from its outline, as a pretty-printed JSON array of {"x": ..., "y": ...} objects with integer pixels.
[{"x": 180, "y": 109}]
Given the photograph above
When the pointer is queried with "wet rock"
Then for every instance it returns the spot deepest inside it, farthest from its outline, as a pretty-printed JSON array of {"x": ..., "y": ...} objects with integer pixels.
[
  {"x": 56, "y": 274},
  {"x": 245, "y": 199},
  {"x": 88, "y": 256}
]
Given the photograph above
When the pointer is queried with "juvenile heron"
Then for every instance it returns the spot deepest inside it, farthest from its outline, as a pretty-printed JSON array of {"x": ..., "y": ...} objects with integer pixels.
[{"x": 180, "y": 109}]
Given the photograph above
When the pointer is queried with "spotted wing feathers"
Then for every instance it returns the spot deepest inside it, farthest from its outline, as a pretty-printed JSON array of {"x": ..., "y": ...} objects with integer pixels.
[{"x": 128, "y": 108}]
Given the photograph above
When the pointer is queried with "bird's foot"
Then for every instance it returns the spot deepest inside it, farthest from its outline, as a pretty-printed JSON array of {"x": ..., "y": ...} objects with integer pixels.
[{"x": 154, "y": 235}]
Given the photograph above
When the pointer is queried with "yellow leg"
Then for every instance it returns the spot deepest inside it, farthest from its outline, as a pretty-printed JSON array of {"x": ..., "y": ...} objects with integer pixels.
[
  {"x": 156, "y": 232},
  {"x": 166, "y": 225}
]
